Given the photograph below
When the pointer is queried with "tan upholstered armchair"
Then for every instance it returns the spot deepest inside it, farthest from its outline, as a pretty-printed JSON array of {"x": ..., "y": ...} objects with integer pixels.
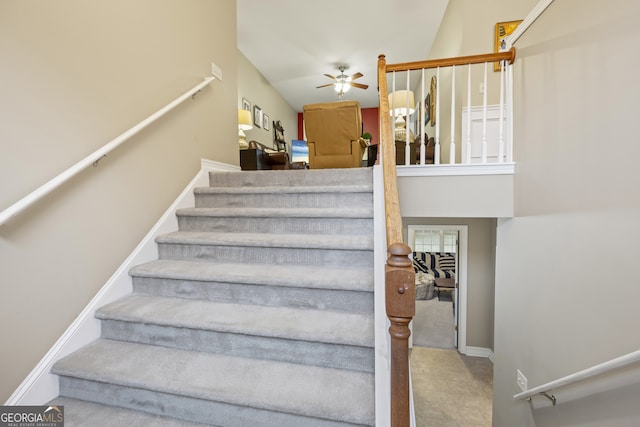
[{"x": 333, "y": 134}]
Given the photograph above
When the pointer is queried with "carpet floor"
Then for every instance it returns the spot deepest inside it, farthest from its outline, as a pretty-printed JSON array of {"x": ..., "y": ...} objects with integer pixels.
[
  {"x": 450, "y": 389},
  {"x": 433, "y": 324}
]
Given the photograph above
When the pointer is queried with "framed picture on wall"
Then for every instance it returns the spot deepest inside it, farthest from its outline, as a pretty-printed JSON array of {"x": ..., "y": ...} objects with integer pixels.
[
  {"x": 266, "y": 122},
  {"x": 503, "y": 29},
  {"x": 246, "y": 105},
  {"x": 257, "y": 116}
]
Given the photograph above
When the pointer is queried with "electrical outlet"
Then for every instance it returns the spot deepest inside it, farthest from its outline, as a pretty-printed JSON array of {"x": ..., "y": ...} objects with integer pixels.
[
  {"x": 481, "y": 87},
  {"x": 216, "y": 71},
  {"x": 521, "y": 380}
]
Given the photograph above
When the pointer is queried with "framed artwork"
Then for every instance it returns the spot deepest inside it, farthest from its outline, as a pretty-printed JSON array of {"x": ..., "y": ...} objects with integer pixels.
[
  {"x": 257, "y": 116},
  {"x": 503, "y": 29},
  {"x": 246, "y": 105},
  {"x": 432, "y": 101},
  {"x": 266, "y": 122}
]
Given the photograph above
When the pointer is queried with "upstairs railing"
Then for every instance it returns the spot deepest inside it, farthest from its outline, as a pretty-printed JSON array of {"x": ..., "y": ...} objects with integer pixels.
[
  {"x": 400, "y": 277},
  {"x": 484, "y": 134},
  {"x": 96, "y": 156}
]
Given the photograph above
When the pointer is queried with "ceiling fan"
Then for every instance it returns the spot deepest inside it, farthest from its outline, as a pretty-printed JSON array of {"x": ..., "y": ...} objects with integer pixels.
[{"x": 343, "y": 83}]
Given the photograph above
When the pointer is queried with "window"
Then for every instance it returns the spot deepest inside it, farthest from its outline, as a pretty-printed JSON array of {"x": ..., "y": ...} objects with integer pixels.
[
  {"x": 426, "y": 241},
  {"x": 430, "y": 239}
]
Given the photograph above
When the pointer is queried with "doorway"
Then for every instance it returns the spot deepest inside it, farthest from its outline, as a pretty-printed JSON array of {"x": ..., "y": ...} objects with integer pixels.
[{"x": 450, "y": 239}]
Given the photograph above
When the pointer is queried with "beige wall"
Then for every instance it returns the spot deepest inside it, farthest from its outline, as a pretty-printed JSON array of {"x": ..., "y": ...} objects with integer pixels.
[
  {"x": 257, "y": 90},
  {"x": 566, "y": 293},
  {"x": 480, "y": 274},
  {"x": 74, "y": 75}
]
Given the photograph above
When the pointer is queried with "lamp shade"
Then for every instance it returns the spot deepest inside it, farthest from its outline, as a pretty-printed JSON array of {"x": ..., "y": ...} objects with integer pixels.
[
  {"x": 244, "y": 120},
  {"x": 401, "y": 103}
]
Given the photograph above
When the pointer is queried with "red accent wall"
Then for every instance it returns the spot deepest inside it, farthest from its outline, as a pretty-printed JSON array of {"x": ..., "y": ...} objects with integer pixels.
[
  {"x": 300, "y": 127},
  {"x": 369, "y": 120},
  {"x": 371, "y": 123}
]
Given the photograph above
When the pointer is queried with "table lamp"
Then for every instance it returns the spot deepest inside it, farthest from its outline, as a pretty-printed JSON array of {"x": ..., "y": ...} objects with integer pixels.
[
  {"x": 401, "y": 104},
  {"x": 244, "y": 123}
]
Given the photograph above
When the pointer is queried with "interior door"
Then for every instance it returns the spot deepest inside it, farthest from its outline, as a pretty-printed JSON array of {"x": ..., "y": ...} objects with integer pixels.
[{"x": 455, "y": 297}]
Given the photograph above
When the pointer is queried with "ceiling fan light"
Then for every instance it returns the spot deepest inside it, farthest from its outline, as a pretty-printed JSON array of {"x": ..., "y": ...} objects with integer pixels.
[{"x": 342, "y": 87}]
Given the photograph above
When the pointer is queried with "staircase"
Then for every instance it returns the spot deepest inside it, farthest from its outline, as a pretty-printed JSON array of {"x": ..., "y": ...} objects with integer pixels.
[{"x": 258, "y": 312}]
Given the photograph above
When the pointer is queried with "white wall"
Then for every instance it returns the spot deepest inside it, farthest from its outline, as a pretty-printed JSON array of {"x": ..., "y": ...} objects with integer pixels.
[
  {"x": 253, "y": 87},
  {"x": 75, "y": 74},
  {"x": 566, "y": 291},
  {"x": 482, "y": 196}
]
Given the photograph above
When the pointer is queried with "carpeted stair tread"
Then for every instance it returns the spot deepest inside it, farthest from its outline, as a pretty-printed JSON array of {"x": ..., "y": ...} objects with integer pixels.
[
  {"x": 273, "y": 322},
  {"x": 278, "y": 190},
  {"x": 279, "y": 212},
  {"x": 307, "y": 390},
  {"x": 354, "y": 279},
  {"x": 327, "y": 177},
  {"x": 288, "y": 241},
  {"x": 78, "y": 413}
]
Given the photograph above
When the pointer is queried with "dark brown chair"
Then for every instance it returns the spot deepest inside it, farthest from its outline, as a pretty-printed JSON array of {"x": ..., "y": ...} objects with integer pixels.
[{"x": 258, "y": 156}]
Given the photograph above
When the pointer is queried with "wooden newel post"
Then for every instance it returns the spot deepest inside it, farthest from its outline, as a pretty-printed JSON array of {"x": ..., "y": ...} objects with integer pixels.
[{"x": 400, "y": 304}]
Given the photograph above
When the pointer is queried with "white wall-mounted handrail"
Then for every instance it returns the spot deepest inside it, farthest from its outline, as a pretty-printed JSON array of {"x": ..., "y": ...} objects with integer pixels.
[
  {"x": 601, "y": 368},
  {"x": 56, "y": 182},
  {"x": 527, "y": 22}
]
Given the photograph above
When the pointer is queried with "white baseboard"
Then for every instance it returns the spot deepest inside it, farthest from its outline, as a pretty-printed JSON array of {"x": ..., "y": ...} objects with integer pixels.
[
  {"x": 40, "y": 386},
  {"x": 479, "y": 352}
]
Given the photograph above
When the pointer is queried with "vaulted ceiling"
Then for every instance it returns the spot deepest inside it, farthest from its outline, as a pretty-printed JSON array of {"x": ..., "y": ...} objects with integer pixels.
[{"x": 294, "y": 42}]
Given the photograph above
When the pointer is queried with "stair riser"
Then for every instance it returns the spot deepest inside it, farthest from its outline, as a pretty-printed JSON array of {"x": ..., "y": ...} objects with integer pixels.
[
  {"x": 242, "y": 293},
  {"x": 285, "y": 200},
  {"x": 294, "y": 351},
  {"x": 262, "y": 255},
  {"x": 328, "y": 177},
  {"x": 277, "y": 225},
  {"x": 185, "y": 407}
]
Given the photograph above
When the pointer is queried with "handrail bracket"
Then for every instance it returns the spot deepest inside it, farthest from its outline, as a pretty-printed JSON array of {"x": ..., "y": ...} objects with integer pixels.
[
  {"x": 551, "y": 397},
  {"x": 95, "y": 164}
]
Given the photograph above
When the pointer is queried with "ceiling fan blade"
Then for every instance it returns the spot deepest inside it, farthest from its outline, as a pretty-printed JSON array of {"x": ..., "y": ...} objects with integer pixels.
[
  {"x": 357, "y": 76},
  {"x": 327, "y": 85},
  {"x": 330, "y": 76},
  {"x": 359, "y": 86}
]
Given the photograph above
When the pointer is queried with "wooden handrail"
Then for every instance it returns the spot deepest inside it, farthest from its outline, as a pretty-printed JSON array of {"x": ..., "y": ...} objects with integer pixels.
[
  {"x": 399, "y": 274},
  {"x": 400, "y": 290},
  {"x": 509, "y": 55}
]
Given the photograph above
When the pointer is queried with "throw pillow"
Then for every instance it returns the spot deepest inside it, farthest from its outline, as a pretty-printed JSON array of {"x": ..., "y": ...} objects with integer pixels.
[{"x": 447, "y": 262}]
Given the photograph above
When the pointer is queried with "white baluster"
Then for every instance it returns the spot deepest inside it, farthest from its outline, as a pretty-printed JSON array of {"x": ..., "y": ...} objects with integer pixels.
[
  {"x": 393, "y": 115},
  {"x": 423, "y": 146},
  {"x": 468, "y": 142},
  {"x": 436, "y": 154},
  {"x": 501, "y": 128},
  {"x": 510, "y": 113},
  {"x": 452, "y": 146},
  {"x": 484, "y": 117},
  {"x": 407, "y": 148}
]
